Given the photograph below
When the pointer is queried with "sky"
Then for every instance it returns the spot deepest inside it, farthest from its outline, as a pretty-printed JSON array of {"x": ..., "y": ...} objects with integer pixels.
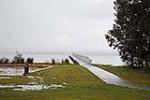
[{"x": 55, "y": 25}]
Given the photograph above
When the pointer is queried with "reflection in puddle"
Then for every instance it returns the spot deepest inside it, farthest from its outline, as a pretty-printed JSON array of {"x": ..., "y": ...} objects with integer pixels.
[
  {"x": 9, "y": 71},
  {"x": 31, "y": 87}
]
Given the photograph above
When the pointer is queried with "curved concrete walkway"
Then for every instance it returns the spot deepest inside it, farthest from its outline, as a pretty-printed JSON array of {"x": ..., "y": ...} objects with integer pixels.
[{"x": 106, "y": 76}]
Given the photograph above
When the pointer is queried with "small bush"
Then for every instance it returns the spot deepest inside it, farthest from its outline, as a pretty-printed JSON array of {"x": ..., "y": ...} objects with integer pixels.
[
  {"x": 18, "y": 58},
  {"x": 67, "y": 61},
  {"x": 29, "y": 60},
  {"x": 62, "y": 61},
  {"x": 53, "y": 61}
]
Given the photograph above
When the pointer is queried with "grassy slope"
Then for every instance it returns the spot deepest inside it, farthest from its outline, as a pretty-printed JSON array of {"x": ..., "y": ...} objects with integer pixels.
[
  {"x": 81, "y": 85},
  {"x": 135, "y": 76}
]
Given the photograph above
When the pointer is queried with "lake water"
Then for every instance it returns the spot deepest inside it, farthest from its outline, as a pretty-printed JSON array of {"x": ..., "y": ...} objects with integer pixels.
[
  {"x": 108, "y": 59},
  {"x": 98, "y": 58}
]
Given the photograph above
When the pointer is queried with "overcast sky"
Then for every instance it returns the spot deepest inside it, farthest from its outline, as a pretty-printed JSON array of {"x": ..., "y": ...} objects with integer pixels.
[{"x": 55, "y": 25}]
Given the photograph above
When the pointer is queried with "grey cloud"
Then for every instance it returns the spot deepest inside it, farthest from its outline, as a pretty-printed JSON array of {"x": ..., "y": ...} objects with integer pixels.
[{"x": 55, "y": 24}]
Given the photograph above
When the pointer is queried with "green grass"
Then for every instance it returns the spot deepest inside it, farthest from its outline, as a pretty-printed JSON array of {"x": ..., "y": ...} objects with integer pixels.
[
  {"x": 133, "y": 75},
  {"x": 81, "y": 85},
  {"x": 15, "y": 80}
]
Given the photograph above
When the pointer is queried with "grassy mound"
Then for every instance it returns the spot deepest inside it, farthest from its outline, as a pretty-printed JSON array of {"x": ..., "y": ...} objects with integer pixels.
[{"x": 80, "y": 85}]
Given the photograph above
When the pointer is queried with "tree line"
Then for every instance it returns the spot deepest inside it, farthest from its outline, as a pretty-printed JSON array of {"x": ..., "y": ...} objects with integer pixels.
[
  {"x": 17, "y": 59},
  {"x": 130, "y": 34}
]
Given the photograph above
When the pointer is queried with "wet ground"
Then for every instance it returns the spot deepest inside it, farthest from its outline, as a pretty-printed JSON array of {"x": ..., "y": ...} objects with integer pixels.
[
  {"x": 31, "y": 87},
  {"x": 11, "y": 71},
  {"x": 18, "y": 71},
  {"x": 106, "y": 76},
  {"x": 8, "y": 72}
]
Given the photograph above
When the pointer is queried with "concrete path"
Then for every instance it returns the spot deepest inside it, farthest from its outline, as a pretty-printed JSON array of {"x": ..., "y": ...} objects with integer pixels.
[
  {"x": 39, "y": 69},
  {"x": 106, "y": 76}
]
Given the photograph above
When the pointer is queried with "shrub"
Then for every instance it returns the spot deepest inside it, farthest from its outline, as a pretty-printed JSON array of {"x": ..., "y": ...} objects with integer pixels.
[
  {"x": 29, "y": 60},
  {"x": 53, "y": 61},
  {"x": 62, "y": 61},
  {"x": 67, "y": 61},
  {"x": 18, "y": 58}
]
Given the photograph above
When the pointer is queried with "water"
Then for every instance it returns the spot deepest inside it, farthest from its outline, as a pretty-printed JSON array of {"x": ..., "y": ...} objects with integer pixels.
[
  {"x": 99, "y": 58},
  {"x": 38, "y": 57},
  {"x": 31, "y": 87},
  {"x": 9, "y": 71},
  {"x": 106, "y": 58}
]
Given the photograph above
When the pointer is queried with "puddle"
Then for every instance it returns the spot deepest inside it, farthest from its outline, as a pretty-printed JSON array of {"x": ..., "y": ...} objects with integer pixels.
[
  {"x": 31, "y": 87},
  {"x": 106, "y": 76},
  {"x": 9, "y": 71}
]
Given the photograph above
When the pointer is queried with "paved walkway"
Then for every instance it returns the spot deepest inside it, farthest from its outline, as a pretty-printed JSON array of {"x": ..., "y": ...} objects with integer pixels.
[
  {"x": 106, "y": 76},
  {"x": 39, "y": 69}
]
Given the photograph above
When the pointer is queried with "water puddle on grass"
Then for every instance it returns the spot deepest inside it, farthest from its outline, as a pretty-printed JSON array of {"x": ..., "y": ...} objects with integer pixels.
[
  {"x": 31, "y": 87},
  {"x": 9, "y": 71}
]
